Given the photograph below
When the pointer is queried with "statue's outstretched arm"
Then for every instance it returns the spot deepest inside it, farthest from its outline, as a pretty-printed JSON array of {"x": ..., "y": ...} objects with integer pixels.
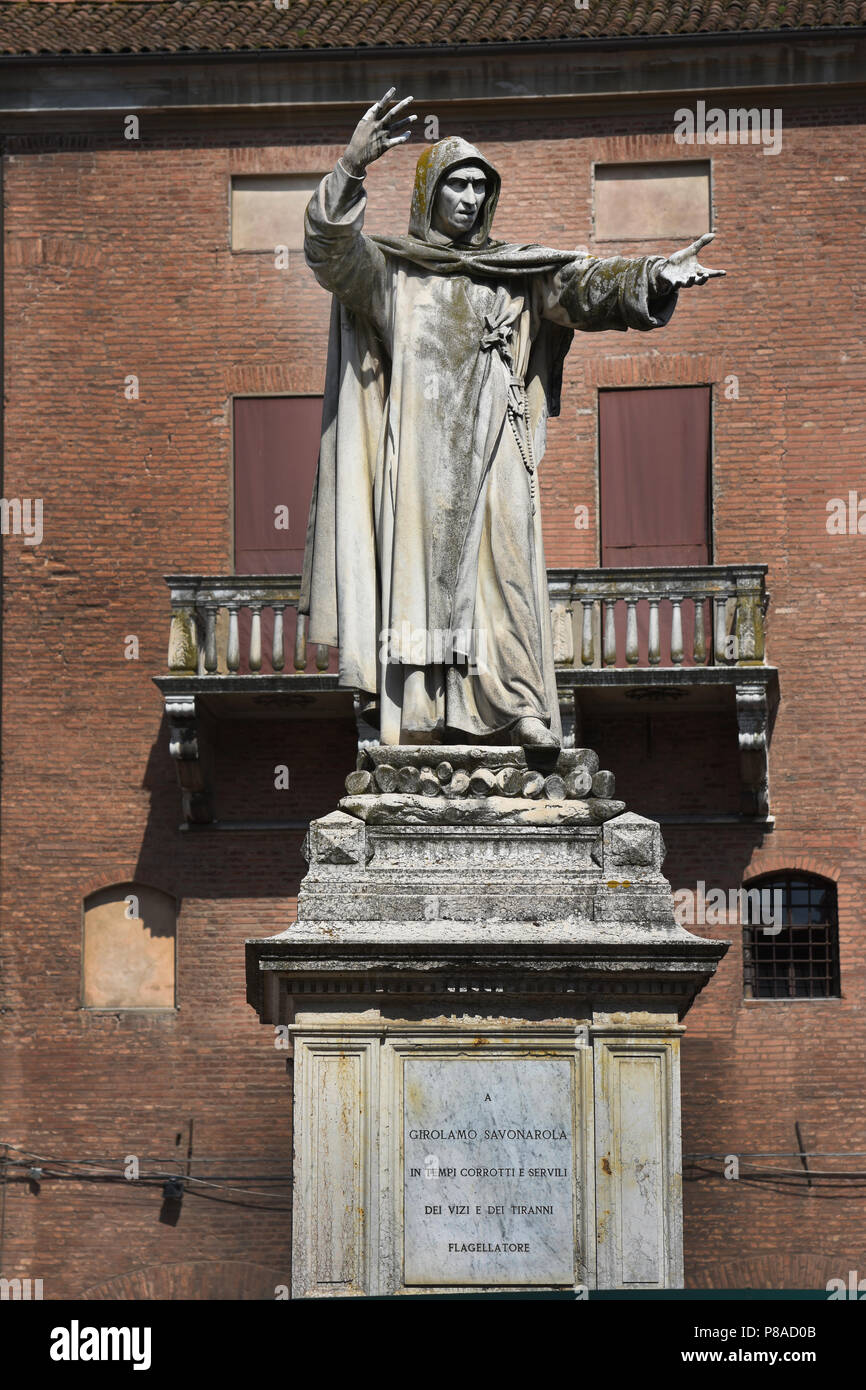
[{"x": 617, "y": 292}]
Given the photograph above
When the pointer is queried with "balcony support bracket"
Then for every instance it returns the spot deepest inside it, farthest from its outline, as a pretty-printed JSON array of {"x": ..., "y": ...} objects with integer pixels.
[
  {"x": 190, "y": 746},
  {"x": 753, "y": 719}
]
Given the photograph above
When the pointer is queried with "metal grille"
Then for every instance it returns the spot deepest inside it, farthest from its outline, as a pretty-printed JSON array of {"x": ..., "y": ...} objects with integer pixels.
[{"x": 801, "y": 961}]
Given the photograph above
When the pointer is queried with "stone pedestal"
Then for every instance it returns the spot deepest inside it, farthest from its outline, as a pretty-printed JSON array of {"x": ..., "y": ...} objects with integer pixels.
[{"x": 484, "y": 995}]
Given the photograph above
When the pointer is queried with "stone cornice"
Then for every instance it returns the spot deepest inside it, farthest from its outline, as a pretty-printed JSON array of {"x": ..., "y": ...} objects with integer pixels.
[{"x": 92, "y": 92}]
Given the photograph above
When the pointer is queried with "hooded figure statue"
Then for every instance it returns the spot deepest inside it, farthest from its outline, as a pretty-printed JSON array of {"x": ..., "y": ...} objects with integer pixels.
[{"x": 424, "y": 560}]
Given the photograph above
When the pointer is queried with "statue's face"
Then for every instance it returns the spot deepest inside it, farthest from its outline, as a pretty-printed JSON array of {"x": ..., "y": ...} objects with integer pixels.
[{"x": 459, "y": 199}]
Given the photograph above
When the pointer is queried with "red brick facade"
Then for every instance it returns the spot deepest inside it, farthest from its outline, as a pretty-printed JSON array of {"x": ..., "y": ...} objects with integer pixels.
[{"x": 117, "y": 263}]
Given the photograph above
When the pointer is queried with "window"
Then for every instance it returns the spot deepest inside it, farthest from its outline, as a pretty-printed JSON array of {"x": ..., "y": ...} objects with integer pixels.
[
  {"x": 129, "y": 948},
  {"x": 645, "y": 202},
  {"x": 654, "y": 494},
  {"x": 276, "y": 447},
  {"x": 268, "y": 210},
  {"x": 801, "y": 960},
  {"x": 654, "y": 463}
]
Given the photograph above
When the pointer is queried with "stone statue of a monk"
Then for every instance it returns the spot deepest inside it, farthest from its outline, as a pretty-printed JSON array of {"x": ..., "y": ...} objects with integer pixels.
[{"x": 424, "y": 561}]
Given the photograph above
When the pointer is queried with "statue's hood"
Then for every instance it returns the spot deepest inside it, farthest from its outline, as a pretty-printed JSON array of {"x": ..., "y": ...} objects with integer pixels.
[{"x": 437, "y": 161}]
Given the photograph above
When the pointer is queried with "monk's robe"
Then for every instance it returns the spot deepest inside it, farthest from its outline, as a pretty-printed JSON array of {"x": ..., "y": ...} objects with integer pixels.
[{"x": 424, "y": 561}]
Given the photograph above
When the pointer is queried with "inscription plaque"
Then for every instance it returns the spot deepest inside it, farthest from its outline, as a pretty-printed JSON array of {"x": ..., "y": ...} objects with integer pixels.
[{"x": 488, "y": 1171}]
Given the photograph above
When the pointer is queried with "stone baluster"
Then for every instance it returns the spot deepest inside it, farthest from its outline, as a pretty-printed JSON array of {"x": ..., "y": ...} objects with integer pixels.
[
  {"x": 183, "y": 640},
  {"x": 233, "y": 654},
  {"x": 721, "y": 632},
  {"x": 609, "y": 642},
  {"x": 587, "y": 645},
  {"x": 256, "y": 637},
  {"x": 676, "y": 629},
  {"x": 562, "y": 630},
  {"x": 211, "y": 659},
  {"x": 278, "y": 656},
  {"x": 749, "y": 622},
  {"x": 654, "y": 652},
  {"x": 323, "y": 656},
  {"x": 699, "y": 649},
  {"x": 632, "y": 653},
  {"x": 300, "y": 659}
]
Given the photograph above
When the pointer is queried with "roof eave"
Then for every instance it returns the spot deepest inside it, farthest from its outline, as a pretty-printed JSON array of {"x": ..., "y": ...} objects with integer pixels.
[{"x": 717, "y": 37}]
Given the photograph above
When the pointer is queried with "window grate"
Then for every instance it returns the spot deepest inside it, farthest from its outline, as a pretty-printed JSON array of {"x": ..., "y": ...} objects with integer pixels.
[{"x": 801, "y": 960}]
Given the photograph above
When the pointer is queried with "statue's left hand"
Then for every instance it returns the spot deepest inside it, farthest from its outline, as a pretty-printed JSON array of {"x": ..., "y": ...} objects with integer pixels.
[{"x": 683, "y": 268}]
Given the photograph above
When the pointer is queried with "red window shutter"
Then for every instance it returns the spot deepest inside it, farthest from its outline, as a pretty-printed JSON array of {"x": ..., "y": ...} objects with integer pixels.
[
  {"x": 276, "y": 446},
  {"x": 654, "y": 492},
  {"x": 654, "y": 453}
]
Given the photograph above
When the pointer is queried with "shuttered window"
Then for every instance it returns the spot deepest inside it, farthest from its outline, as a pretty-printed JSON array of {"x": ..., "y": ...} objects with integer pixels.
[
  {"x": 654, "y": 487},
  {"x": 276, "y": 445},
  {"x": 654, "y": 451},
  {"x": 276, "y": 448}
]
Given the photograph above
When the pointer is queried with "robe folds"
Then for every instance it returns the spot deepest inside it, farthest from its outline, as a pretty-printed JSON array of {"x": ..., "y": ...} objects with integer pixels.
[{"x": 424, "y": 559}]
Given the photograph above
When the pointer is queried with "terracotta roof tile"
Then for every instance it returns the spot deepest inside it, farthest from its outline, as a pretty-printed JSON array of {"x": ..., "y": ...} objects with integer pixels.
[{"x": 221, "y": 26}]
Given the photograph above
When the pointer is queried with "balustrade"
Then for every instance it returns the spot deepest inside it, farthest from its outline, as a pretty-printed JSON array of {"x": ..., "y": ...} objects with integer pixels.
[
  {"x": 601, "y": 619},
  {"x": 609, "y": 618}
]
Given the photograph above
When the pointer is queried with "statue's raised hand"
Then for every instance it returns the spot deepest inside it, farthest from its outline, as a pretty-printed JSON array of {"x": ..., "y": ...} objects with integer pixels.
[
  {"x": 376, "y": 132},
  {"x": 683, "y": 268}
]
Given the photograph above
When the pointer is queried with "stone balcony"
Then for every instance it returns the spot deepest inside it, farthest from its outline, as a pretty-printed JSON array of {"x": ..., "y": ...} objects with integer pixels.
[{"x": 691, "y": 635}]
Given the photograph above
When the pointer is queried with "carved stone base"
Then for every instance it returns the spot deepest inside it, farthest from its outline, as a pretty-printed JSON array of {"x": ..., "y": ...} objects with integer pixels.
[
  {"x": 485, "y": 1015},
  {"x": 464, "y": 785}
]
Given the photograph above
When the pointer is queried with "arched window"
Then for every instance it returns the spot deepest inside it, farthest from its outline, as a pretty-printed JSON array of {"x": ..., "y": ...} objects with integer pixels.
[
  {"x": 791, "y": 937},
  {"x": 129, "y": 948}
]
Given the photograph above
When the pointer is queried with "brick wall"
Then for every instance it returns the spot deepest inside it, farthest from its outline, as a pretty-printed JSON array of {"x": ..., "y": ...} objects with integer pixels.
[{"x": 117, "y": 263}]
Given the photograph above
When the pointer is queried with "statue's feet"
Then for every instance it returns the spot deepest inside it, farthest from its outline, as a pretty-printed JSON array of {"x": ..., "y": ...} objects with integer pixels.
[{"x": 531, "y": 733}]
